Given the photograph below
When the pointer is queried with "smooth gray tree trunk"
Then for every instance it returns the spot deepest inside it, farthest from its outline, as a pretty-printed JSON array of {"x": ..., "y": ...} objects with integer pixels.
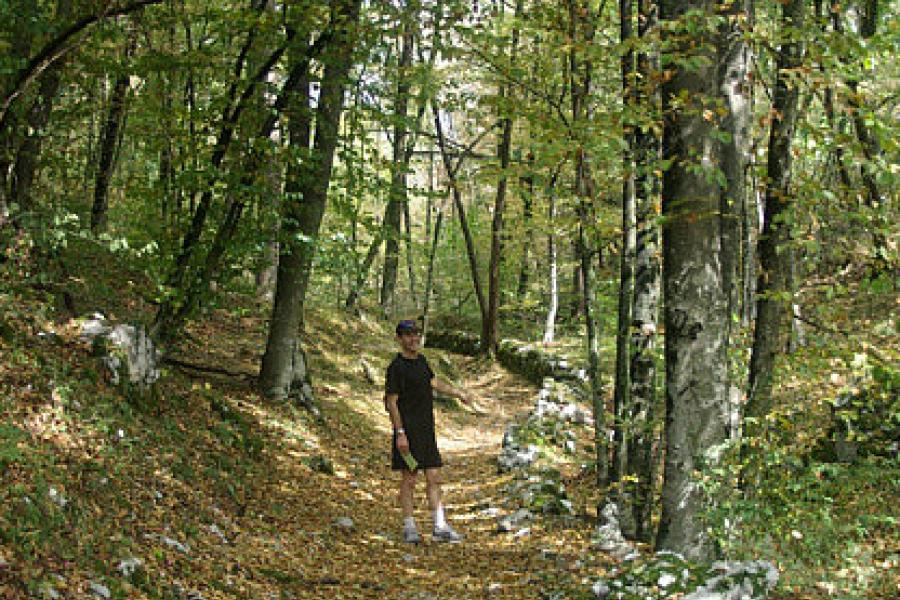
[
  {"x": 696, "y": 304},
  {"x": 461, "y": 213},
  {"x": 581, "y": 29},
  {"x": 552, "y": 266}
]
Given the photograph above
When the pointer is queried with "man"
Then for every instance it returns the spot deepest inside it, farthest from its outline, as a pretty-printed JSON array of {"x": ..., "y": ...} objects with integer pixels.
[{"x": 409, "y": 399}]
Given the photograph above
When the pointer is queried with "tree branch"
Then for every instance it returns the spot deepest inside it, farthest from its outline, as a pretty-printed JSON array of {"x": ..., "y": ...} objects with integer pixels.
[{"x": 54, "y": 50}]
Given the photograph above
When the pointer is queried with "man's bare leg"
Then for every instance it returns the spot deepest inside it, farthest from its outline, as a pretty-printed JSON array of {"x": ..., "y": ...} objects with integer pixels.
[
  {"x": 407, "y": 487},
  {"x": 442, "y": 530}
]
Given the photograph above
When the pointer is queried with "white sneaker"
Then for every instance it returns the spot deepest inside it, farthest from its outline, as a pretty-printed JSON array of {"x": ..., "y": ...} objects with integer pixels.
[{"x": 447, "y": 534}]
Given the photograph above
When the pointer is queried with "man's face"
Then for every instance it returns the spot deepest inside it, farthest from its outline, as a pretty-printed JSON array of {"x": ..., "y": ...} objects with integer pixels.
[{"x": 409, "y": 340}]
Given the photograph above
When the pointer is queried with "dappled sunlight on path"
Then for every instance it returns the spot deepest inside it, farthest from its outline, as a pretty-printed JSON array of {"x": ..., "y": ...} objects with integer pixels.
[{"x": 320, "y": 559}]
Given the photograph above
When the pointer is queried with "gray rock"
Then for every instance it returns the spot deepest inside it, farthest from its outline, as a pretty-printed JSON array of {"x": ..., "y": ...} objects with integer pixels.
[
  {"x": 99, "y": 590},
  {"x": 509, "y": 436},
  {"x": 368, "y": 371},
  {"x": 345, "y": 523},
  {"x": 173, "y": 543},
  {"x": 600, "y": 589},
  {"x": 92, "y": 327},
  {"x": 747, "y": 580},
  {"x": 512, "y": 522},
  {"x": 512, "y": 458},
  {"x": 129, "y": 566},
  {"x": 214, "y": 529},
  {"x": 126, "y": 350},
  {"x": 57, "y": 497},
  {"x": 665, "y": 580},
  {"x": 140, "y": 354}
]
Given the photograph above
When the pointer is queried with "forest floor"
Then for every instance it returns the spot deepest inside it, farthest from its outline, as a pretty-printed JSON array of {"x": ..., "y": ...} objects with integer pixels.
[
  {"x": 215, "y": 491},
  {"x": 207, "y": 491}
]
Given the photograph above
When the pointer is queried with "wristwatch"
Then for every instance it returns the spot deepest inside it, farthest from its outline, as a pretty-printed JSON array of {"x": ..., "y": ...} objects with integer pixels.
[{"x": 400, "y": 430}]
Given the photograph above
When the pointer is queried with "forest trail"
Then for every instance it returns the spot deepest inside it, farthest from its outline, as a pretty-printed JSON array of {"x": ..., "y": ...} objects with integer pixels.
[{"x": 291, "y": 544}]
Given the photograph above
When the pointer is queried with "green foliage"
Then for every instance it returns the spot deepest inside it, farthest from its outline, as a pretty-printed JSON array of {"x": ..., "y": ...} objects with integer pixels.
[
  {"x": 10, "y": 437},
  {"x": 813, "y": 519}
]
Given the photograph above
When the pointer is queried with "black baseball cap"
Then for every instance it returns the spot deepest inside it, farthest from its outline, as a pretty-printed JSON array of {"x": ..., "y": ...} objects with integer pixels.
[{"x": 407, "y": 326}]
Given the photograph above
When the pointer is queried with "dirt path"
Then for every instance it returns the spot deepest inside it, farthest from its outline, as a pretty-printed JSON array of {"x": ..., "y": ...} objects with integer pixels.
[{"x": 300, "y": 552}]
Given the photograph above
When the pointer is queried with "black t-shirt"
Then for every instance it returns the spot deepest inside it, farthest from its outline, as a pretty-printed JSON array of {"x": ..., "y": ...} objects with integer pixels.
[{"x": 410, "y": 379}]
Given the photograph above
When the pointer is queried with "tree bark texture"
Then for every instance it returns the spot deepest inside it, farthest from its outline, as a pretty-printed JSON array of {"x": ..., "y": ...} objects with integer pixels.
[
  {"x": 28, "y": 157},
  {"x": 527, "y": 218},
  {"x": 307, "y": 188},
  {"x": 695, "y": 301},
  {"x": 774, "y": 257},
  {"x": 24, "y": 164},
  {"x": 645, "y": 309},
  {"x": 866, "y": 20},
  {"x": 398, "y": 193}
]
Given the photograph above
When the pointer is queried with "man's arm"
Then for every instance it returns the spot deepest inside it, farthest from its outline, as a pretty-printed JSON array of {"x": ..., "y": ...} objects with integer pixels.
[
  {"x": 390, "y": 403},
  {"x": 450, "y": 390}
]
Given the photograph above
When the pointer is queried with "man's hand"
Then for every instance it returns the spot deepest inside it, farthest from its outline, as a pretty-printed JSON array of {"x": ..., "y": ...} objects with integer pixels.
[
  {"x": 470, "y": 400},
  {"x": 402, "y": 442}
]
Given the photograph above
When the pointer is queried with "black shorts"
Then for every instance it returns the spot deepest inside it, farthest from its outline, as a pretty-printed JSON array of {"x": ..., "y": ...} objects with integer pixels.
[{"x": 422, "y": 445}]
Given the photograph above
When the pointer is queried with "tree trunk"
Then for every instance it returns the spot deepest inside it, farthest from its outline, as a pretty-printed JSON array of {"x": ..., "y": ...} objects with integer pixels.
[
  {"x": 773, "y": 286},
  {"x": 190, "y": 284},
  {"x": 527, "y": 216},
  {"x": 490, "y": 325},
  {"x": 52, "y": 51},
  {"x": 622, "y": 388},
  {"x": 733, "y": 89},
  {"x": 695, "y": 302},
  {"x": 109, "y": 145},
  {"x": 28, "y": 156},
  {"x": 866, "y": 22},
  {"x": 307, "y": 191},
  {"x": 552, "y": 264},
  {"x": 461, "y": 212},
  {"x": 581, "y": 71},
  {"x": 410, "y": 258},
  {"x": 429, "y": 277},
  {"x": 398, "y": 193},
  {"x": 645, "y": 310}
]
